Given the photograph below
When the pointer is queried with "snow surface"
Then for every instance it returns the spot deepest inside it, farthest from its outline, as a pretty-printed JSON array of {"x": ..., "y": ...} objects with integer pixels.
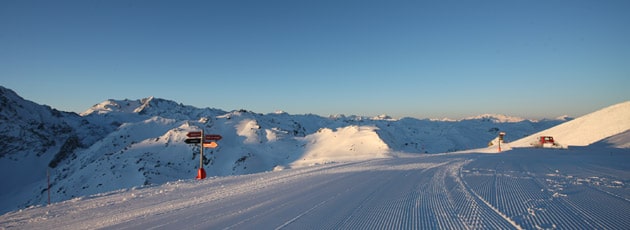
[
  {"x": 119, "y": 144},
  {"x": 307, "y": 171},
  {"x": 587, "y": 129},
  {"x": 621, "y": 140},
  {"x": 345, "y": 144},
  {"x": 579, "y": 188}
]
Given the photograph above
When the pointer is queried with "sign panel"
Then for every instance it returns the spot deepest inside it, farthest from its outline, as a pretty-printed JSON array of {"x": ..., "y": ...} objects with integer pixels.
[
  {"x": 194, "y": 134},
  {"x": 193, "y": 141},
  {"x": 210, "y": 144},
  {"x": 213, "y": 137}
]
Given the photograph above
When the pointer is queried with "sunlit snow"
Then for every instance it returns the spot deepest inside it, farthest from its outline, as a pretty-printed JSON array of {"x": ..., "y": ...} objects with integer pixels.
[{"x": 278, "y": 171}]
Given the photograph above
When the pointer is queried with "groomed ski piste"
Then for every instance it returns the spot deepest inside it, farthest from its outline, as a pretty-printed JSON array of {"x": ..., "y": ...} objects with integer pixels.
[{"x": 583, "y": 186}]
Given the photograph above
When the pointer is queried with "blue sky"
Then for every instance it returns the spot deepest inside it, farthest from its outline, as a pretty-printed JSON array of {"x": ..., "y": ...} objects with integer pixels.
[{"x": 424, "y": 59}]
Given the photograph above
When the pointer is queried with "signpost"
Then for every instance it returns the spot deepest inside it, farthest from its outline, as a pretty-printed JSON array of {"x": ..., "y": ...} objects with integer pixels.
[
  {"x": 501, "y": 135},
  {"x": 48, "y": 176},
  {"x": 210, "y": 145},
  {"x": 207, "y": 142},
  {"x": 212, "y": 137},
  {"x": 193, "y": 141}
]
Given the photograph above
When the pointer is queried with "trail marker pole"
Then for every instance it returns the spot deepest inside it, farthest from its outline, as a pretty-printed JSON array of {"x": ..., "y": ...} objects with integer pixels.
[
  {"x": 499, "y": 145},
  {"x": 201, "y": 173},
  {"x": 48, "y": 176},
  {"x": 501, "y": 134}
]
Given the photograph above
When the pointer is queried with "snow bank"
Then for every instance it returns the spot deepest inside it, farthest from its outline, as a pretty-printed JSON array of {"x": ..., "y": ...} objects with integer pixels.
[
  {"x": 587, "y": 129},
  {"x": 344, "y": 144}
]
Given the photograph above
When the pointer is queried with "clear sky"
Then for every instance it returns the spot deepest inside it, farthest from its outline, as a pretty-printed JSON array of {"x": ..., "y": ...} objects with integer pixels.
[{"x": 423, "y": 59}]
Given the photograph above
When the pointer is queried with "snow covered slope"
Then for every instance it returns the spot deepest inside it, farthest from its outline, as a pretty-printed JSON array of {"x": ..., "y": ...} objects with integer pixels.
[
  {"x": 527, "y": 188},
  {"x": 621, "y": 140},
  {"x": 349, "y": 143},
  {"x": 119, "y": 144},
  {"x": 587, "y": 129},
  {"x": 33, "y": 138}
]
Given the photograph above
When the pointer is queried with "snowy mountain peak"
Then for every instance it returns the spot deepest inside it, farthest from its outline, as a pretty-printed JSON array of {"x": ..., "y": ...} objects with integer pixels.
[
  {"x": 144, "y": 104},
  {"x": 113, "y": 106},
  {"x": 122, "y": 106},
  {"x": 13, "y": 105},
  {"x": 496, "y": 118},
  {"x": 8, "y": 94},
  {"x": 150, "y": 106},
  {"x": 564, "y": 118},
  {"x": 384, "y": 117}
]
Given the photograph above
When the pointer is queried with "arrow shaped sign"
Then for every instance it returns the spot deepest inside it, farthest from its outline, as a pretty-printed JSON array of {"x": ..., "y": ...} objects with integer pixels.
[
  {"x": 194, "y": 134},
  {"x": 193, "y": 141},
  {"x": 210, "y": 145},
  {"x": 212, "y": 137}
]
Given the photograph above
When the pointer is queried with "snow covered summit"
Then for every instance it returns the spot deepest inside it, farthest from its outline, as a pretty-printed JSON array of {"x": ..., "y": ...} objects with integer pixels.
[{"x": 498, "y": 118}]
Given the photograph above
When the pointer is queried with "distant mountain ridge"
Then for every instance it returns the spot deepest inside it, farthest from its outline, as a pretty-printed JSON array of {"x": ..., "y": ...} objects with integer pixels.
[
  {"x": 119, "y": 144},
  {"x": 498, "y": 118}
]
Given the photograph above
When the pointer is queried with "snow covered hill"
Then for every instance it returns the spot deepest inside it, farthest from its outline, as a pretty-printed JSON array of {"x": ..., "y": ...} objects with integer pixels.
[
  {"x": 621, "y": 140},
  {"x": 588, "y": 129},
  {"x": 119, "y": 144},
  {"x": 33, "y": 138}
]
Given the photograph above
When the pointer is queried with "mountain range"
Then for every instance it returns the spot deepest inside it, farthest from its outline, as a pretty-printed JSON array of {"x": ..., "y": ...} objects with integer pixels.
[{"x": 119, "y": 144}]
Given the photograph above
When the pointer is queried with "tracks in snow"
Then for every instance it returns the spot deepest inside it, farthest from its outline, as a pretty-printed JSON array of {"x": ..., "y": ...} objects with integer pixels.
[
  {"x": 551, "y": 191},
  {"x": 406, "y": 194},
  {"x": 448, "y": 191}
]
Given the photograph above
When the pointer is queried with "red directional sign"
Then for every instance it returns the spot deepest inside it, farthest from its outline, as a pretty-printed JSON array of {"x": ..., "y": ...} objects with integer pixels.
[
  {"x": 212, "y": 137},
  {"x": 194, "y": 134}
]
